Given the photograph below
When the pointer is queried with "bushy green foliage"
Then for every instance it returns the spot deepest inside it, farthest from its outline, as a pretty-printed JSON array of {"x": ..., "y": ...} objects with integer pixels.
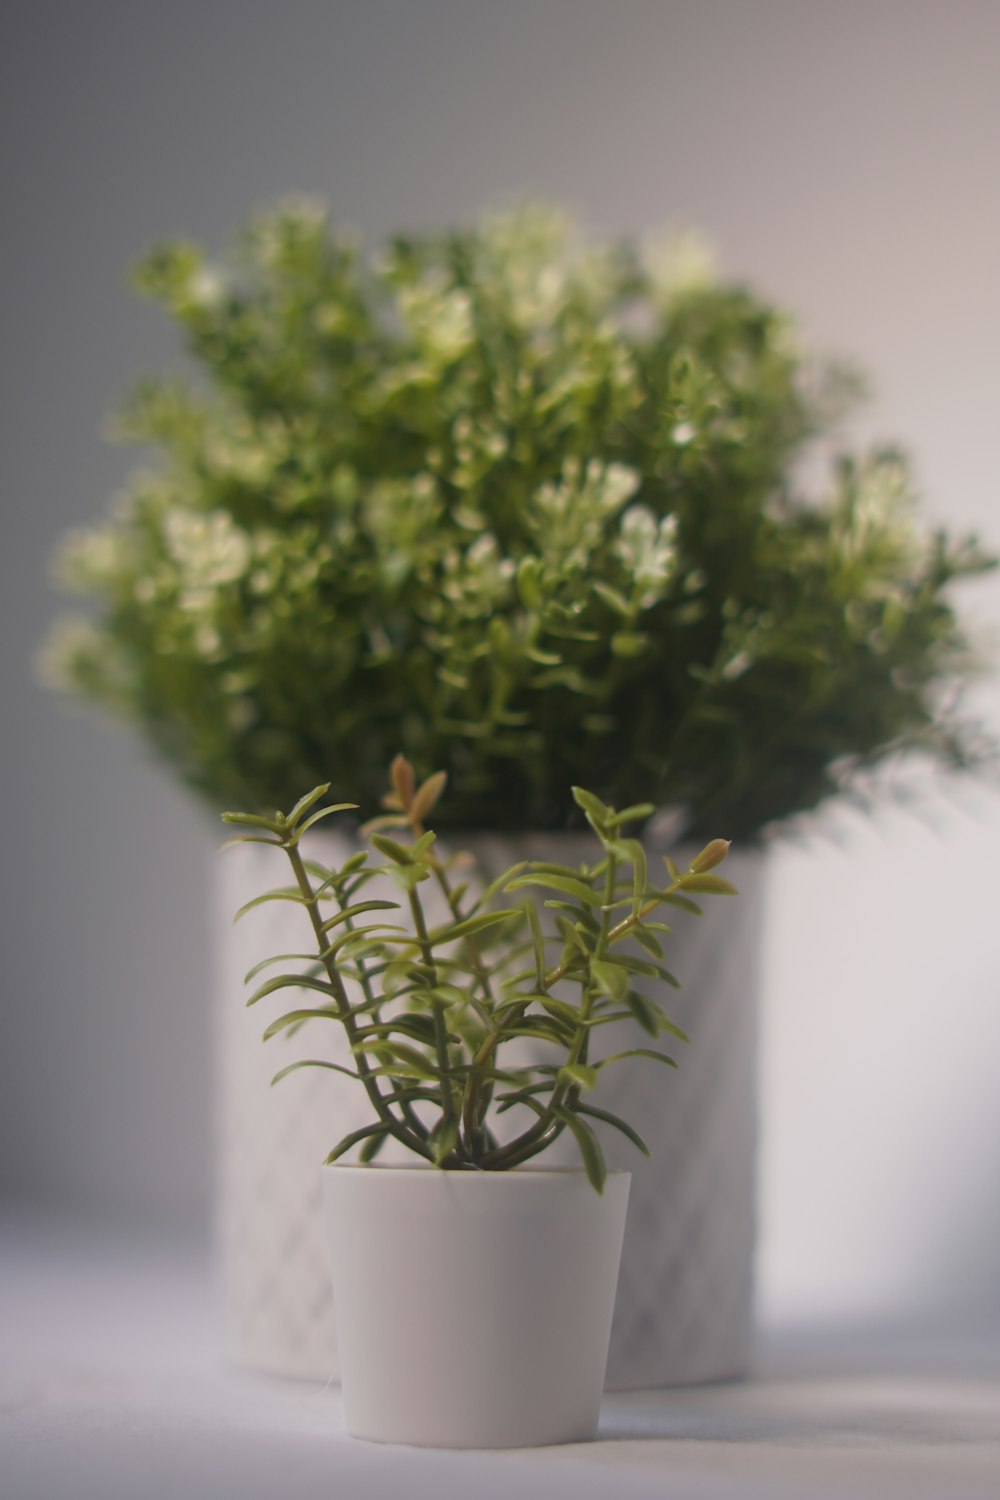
[
  {"x": 520, "y": 507},
  {"x": 430, "y": 1012}
]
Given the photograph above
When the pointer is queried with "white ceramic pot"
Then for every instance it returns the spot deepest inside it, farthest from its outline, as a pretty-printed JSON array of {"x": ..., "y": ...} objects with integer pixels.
[
  {"x": 684, "y": 1310},
  {"x": 473, "y": 1309}
]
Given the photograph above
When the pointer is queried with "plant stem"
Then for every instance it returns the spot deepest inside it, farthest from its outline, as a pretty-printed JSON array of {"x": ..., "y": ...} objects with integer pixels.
[
  {"x": 342, "y": 1001},
  {"x": 440, "y": 1028},
  {"x": 548, "y": 1126}
]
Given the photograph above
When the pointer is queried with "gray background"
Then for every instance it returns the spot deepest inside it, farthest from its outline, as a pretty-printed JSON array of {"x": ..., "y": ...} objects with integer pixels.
[{"x": 843, "y": 158}]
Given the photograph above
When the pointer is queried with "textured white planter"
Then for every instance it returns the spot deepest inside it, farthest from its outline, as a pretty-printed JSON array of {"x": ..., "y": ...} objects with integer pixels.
[
  {"x": 473, "y": 1308},
  {"x": 684, "y": 1308}
]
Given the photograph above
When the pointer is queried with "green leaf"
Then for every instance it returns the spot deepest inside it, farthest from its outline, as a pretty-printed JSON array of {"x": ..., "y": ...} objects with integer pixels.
[
  {"x": 572, "y": 885},
  {"x": 638, "y": 858},
  {"x": 611, "y": 597},
  {"x": 610, "y": 978},
  {"x": 645, "y": 1011},
  {"x": 578, "y": 1074},
  {"x": 350, "y": 912},
  {"x": 683, "y": 904},
  {"x": 287, "y": 893},
  {"x": 420, "y": 1028},
  {"x": 590, "y": 1147},
  {"x": 253, "y": 820},
  {"x": 443, "y": 1140},
  {"x": 408, "y": 876},
  {"x": 248, "y": 838},
  {"x": 709, "y": 885},
  {"x": 310, "y": 1062},
  {"x": 401, "y": 854},
  {"x": 343, "y": 1146},
  {"x": 617, "y": 1122},
  {"x": 298, "y": 1015},
  {"x": 537, "y": 943},
  {"x": 713, "y": 854},
  {"x": 572, "y": 934},
  {"x": 422, "y": 845},
  {"x": 387, "y": 931},
  {"x": 305, "y": 803},
  {"x": 638, "y": 1052},
  {"x": 450, "y": 933},
  {"x": 647, "y": 940},
  {"x": 542, "y": 1029},
  {"x": 328, "y": 812},
  {"x": 595, "y": 809},
  {"x": 497, "y": 885},
  {"x": 560, "y": 1010},
  {"x": 293, "y": 982},
  {"x": 278, "y": 958},
  {"x": 373, "y": 1145},
  {"x": 398, "y": 1052},
  {"x": 638, "y": 811}
]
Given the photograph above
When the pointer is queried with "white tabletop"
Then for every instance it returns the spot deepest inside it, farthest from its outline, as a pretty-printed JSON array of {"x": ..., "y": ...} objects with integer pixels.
[{"x": 113, "y": 1384}]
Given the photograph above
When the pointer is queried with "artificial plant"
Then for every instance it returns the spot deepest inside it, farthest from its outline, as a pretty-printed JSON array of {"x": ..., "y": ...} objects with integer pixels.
[
  {"x": 431, "y": 1012},
  {"x": 523, "y": 507}
]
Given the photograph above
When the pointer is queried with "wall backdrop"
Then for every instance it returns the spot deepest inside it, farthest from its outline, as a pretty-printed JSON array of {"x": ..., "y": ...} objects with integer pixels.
[{"x": 843, "y": 159}]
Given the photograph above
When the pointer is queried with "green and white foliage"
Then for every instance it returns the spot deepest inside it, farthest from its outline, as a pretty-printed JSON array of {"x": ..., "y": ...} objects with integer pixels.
[
  {"x": 520, "y": 506},
  {"x": 433, "y": 1013}
]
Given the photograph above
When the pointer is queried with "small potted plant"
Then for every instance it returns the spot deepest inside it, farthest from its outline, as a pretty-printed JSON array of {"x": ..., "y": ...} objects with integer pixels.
[{"x": 474, "y": 1302}]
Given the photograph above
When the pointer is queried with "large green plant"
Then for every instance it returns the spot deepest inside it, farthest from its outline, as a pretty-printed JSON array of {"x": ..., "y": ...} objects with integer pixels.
[
  {"x": 520, "y": 507},
  {"x": 431, "y": 1013}
]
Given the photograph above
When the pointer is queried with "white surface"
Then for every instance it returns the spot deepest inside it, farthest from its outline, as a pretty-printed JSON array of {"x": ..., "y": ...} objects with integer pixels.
[{"x": 111, "y": 1387}]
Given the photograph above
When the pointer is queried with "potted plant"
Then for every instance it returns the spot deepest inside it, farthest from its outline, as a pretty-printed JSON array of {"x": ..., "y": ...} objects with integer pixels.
[
  {"x": 474, "y": 1302},
  {"x": 527, "y": 510}
]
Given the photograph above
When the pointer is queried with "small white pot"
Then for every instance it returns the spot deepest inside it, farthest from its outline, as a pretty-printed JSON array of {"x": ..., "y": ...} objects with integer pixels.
[{"x": 473, "y": 1309}]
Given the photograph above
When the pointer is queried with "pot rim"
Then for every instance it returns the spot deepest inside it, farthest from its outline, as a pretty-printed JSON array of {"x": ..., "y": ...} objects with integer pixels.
[{"x": 453, "y": 1174}]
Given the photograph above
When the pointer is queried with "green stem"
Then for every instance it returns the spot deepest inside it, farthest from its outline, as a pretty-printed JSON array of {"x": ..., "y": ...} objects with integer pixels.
[
  {"x": 343, "y": 1004},
  {"x": 547, "y": 1127},
  {"x": 440, "y": 1028}
]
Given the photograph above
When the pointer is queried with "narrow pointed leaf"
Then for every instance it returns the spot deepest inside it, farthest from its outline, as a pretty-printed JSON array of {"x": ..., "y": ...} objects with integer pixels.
[
  {"x": 443, "y": 1140},
  {"x": 254, "y": 820},
  {"x": 298, "y": 1015},
  {"x": 610, "y": 978},
  {"x": 373, "y": 1145},
  {"x": 638, "y": 1052},
  {"x": 391, "y": 1052},
  {"x": 709, "y": 885},
  {"x": 590, "y": 1148},
  {"x": 305, "y": 803},
  {"x": 309, "y": 1062},
  {"x": 327, "y": 812},
  {"x": 450, "y": 933},
  {"x": 278, "y": 958},
  {"x": 537, "y": 942},
  {"x": 288, "y": 894},
  {"x": 592, "y": 806},
  {"x": 350, "y": 912},
  {"x": 401, "y": 854},
  {"x": 579, "y": 1074},
  {"x": 293, "y": 982},
  {"x": 618, "y": 1123},
  {"x": 549, "y": 880},
  {"x": 683, "y": 904},
  {"x": 633, "y": 814},
  {"x": 248, "y": 838},
  {"x": 344, "y": 1145}
]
